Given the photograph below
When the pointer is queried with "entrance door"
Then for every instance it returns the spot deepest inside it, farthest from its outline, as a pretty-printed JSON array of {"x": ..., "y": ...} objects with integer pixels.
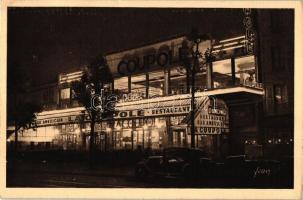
[{"x": 179, "y": 138}]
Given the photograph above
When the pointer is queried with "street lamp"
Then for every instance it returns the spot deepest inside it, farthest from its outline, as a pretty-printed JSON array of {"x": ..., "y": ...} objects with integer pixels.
[{"x": 194, "y": 56}]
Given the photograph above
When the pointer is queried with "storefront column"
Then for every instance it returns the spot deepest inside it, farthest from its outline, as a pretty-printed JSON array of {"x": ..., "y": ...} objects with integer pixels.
[
  {"x": 166, "y": 82},
  {"x": 169, "y": 136},
  {"x": 209, "y": 72},
  {"x": 113, "y": 86},
  {"x": 147, "y": 84},
  {"x": 129, "y": 84},
  {"x": 233, "y": 69},
  {"x": 197, "y": 140}
]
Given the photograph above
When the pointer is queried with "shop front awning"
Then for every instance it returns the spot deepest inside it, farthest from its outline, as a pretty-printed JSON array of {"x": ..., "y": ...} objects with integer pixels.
[
  {"x": 155, "y": 107},
  {"x": 236, "y": 93}
]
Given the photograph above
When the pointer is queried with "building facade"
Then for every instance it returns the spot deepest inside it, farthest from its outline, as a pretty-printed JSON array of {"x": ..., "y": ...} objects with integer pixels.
[
  {"x": 153, "y": 107},
  {"x": 243, "y": 100}
]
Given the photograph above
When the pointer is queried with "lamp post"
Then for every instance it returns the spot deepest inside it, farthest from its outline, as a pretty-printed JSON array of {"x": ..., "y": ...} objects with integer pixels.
[{"x": 193, "y": 66}]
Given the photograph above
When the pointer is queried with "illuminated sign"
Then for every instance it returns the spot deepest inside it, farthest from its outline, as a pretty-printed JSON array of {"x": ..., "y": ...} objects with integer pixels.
[
  {"x": 168, "y": 110},
  {"x": 127, "y": 114},
  {"x": 134, "y": 96},
  {"x": 130, "y": 66},
  {"x": 212, "y": 117},
  {"x": 249, "y": 31},
  {"x": 174, "y": 110},
  {"x": 134, "y": 123},
  {"x": 58, "y": 120}
]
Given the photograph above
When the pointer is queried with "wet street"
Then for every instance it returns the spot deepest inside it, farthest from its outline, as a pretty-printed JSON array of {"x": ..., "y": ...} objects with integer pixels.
[
  {"x": 79, "y": 175},
  {"x": 39, "y": 175},
  {"x": 57, "y": 179}
]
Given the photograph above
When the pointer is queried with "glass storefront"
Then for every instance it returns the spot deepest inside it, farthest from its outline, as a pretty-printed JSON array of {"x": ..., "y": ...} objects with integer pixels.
[
  {"x": 138, "y": 85},
  {"x": 222, "y": 76},
  {"x": 156, "y": 84},
  {"x": 139, "y": 133},
  {"x": 178, "y": 82},
  {"x": 244, "y": 73},
  {"x": 121, "y": 86},
  {"x": 68, "y": 137}
]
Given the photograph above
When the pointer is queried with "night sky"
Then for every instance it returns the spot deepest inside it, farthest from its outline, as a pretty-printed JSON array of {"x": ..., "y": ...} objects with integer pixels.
[{"x": 47, "y": 41}]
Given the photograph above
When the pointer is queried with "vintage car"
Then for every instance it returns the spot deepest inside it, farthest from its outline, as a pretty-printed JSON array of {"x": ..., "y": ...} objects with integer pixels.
[{"x": 175, "y": 162}]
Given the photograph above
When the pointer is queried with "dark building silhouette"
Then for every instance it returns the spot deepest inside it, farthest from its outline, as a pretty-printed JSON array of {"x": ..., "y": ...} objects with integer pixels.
[{"x": 276, "y": 60}]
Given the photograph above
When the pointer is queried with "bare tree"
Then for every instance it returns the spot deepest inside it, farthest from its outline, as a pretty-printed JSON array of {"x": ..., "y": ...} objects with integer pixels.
[{"x": 21, "y": 108}]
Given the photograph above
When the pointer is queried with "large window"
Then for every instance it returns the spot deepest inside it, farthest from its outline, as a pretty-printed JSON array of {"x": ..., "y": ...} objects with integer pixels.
[
  {"x": 156, "y": 84},
  {"x": 65, "y": 93},
  {"x": 222, "y": 76},
  {"x": 245, "y": 72},
  {"x": 138, "y": 85},
  {"x": 178, "y": 81},
  {"x": 121, "y": 86},
  {"x": 200, "y": 80}
]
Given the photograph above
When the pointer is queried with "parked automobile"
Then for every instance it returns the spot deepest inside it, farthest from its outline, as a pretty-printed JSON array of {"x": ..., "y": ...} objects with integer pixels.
[{"x": 175, "y": 162}]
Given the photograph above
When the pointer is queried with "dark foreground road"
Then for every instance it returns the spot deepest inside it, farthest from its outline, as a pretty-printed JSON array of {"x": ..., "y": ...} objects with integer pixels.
[{"x": 79, "y": 175}]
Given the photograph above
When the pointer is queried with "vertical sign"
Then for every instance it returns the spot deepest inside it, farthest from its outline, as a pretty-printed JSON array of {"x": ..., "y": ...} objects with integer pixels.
[{"x": 249, "y": 32}]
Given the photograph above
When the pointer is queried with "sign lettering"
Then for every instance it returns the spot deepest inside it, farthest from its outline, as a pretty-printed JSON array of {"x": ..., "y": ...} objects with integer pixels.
[{"x": 130, "y": 66}]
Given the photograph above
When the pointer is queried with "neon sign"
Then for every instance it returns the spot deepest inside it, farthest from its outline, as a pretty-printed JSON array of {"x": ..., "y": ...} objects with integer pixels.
[{"x": 249, "y": 32}]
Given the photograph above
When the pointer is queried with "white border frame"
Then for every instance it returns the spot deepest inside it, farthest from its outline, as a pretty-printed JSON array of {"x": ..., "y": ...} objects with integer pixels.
[{"x": 156, "y": 193}]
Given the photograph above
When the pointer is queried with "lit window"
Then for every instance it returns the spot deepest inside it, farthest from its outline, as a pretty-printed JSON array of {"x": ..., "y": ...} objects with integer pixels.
[
  {"x": 200, "y": 80},
  {"x": 222, "y": 73},
  {"x": 178, "y": 80},
  {"x": 65, "y": 93},
  {"x": 245, "y": 72},
  {"x": 121, "y": 86},
  {"x": 138, "y": 85},
  {"x": 156, "y": 84}
]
